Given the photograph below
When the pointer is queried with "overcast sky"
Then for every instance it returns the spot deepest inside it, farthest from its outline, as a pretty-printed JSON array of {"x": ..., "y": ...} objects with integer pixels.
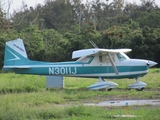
[{"x": 16, "y": 4}]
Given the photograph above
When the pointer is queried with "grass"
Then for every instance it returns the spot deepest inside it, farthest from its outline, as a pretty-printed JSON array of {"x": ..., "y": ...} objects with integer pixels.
[{"x": 26, "y": 97}]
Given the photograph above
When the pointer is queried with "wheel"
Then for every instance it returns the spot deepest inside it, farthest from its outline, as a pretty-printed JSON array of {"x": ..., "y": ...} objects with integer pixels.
[
  {"x": 140, "y": 89},
  {"x": 109, "y": 89}
]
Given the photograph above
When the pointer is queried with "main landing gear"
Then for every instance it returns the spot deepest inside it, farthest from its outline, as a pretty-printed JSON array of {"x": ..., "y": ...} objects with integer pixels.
[
  {"x": 139, "y": 86},
  {"x": 102, "y": 84}
]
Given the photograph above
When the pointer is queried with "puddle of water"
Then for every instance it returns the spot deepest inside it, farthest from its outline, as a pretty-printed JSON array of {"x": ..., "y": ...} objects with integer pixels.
[{"x": 123, "y": 103}]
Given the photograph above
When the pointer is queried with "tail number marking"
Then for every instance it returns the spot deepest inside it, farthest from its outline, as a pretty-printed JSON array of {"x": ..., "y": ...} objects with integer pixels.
[{"x": 62, "y": 70}]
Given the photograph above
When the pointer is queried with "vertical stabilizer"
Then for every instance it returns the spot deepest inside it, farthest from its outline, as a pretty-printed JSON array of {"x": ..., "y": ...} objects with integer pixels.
[{"x": 15, "y": 55}]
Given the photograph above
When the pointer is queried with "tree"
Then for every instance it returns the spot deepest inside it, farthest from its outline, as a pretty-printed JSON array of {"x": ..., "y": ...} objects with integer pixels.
[
  {"x": 151, "y": 19},
  {"x": 58, "y": 15},
  {"x": 6, "y": 33},
  {"x": 54, "y": 49},
  {"x": 33, "y": 40}
]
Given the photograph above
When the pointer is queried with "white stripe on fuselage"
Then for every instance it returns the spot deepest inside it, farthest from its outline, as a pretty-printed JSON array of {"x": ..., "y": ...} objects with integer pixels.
[{"x": 110, "y": 74}]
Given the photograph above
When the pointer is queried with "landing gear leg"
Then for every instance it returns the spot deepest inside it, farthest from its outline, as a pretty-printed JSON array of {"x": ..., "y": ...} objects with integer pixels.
[{"x": 140, "y": 88}]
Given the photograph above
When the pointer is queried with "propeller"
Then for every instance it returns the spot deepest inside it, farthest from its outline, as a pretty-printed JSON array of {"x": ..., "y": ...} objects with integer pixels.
[
  {"x": 151, "y": 63},
  {"x": 148, "y": 63}
]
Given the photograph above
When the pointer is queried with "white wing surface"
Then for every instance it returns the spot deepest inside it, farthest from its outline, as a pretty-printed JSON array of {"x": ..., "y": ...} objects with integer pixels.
[{"x": 87, "y": 52}]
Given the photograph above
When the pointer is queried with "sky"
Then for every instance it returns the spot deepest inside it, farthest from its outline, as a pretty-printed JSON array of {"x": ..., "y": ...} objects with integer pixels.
[{"x": 17, "y": 4}]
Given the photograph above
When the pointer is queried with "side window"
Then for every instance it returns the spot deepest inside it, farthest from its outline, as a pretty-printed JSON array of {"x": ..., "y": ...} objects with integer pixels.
[
  {"x": 86, "y": 59},
  {"x": 105, "y": 58},
  {"x": 100, "y": 58},
  {"x": 120, "y": 57}
]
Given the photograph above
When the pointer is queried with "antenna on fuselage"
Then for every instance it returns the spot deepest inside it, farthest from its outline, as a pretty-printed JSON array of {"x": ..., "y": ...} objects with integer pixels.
[{"x": 93, "y": 44}]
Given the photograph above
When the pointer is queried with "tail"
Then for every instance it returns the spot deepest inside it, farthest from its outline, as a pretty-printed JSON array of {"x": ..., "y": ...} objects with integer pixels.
[{"x": 15, "y": 55}]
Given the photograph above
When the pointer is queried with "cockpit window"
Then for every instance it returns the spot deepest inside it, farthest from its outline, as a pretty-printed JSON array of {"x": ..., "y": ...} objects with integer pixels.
[
  {"x": 100, "y": 58},
  {"x": 86, "y": 59},
  {"x": 120, "y": 57}
]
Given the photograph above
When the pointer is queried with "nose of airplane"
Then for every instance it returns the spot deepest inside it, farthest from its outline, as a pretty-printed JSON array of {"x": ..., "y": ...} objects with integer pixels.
[{"x": 151, "y": 63}]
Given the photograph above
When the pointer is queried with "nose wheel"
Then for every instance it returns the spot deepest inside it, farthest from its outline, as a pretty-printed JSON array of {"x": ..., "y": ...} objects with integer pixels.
[
  {"x": 139, "y": 86},
  {"x": 141, "y": 89}
]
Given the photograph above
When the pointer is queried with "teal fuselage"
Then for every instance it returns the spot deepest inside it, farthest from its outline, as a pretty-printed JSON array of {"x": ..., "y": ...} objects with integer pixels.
[
  {"x": 79, "y": 69},
  {"x": 92, "y": 63}
]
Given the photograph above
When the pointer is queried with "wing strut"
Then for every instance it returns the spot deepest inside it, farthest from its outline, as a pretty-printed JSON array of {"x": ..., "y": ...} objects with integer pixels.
[{"x": 113, "y": 65}]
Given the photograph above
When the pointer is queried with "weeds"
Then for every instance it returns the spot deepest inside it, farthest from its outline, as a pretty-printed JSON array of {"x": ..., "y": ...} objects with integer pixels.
[{"x": 26, "y": 97}]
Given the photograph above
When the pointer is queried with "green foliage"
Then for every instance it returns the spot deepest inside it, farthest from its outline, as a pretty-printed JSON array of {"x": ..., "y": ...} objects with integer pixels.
[
  {"x": 26, "y": 84},
  {"x": 33, "y": 40},
  {"x": 54, "y": 46},
  {"x": 150, "y": 19},
  {"x": 6, "y": 35},
  {"x": 51, "y": 32}
]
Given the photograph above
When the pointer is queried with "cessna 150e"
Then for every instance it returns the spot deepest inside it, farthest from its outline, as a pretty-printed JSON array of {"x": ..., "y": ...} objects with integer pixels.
[{"x": 92, "y": 63}]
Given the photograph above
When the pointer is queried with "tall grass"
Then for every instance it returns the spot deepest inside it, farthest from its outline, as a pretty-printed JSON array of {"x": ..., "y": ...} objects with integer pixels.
[
  {"x": 11, "y": 83},
  {"x": 26, "y": 97}
]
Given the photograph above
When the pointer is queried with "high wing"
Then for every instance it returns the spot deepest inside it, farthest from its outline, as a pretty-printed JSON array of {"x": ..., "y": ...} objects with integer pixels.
[{"x": 88, "y": 52}]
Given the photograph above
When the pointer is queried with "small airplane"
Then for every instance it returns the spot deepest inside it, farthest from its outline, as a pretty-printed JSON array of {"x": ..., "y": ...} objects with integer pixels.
[{"x": 92, "y": 63}]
